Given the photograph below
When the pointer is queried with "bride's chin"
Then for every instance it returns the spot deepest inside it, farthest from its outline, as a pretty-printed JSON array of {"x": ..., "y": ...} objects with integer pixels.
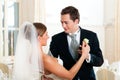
[{"x": 45, "y": 44}]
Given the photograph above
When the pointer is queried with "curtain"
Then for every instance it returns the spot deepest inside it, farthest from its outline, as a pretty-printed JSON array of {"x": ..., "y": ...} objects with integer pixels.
[
  {"x": 112, "y": 38},
  {"x": 117, "y": 31},
  {"x": 31, "y": 10}
]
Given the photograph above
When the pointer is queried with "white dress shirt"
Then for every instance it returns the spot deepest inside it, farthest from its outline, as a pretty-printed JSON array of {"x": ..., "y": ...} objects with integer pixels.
[{"x": 78, "y": 33}]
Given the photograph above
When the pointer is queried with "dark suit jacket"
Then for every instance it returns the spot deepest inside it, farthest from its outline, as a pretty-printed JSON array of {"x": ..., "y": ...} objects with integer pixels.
[{"x": 59, "y": 46}]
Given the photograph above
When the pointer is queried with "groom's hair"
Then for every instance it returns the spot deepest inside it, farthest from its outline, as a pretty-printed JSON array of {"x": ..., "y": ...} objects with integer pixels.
[{"x": 72, "y": 11}]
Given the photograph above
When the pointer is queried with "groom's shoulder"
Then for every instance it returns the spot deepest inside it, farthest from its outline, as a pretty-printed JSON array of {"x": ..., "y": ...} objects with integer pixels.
[
  {"x": 59, "y": 34},
  {"x": 88, "y": 31}
]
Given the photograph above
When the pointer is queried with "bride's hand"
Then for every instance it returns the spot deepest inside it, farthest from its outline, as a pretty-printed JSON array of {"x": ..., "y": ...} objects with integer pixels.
[{"x": 85, "y": 49}]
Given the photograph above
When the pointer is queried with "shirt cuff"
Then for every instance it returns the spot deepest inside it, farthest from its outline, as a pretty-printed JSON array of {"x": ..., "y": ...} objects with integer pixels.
[{"x": 88, "y": 60}]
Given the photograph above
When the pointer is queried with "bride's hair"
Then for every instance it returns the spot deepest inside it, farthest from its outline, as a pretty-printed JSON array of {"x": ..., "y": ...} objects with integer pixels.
[
  {"x": 28, "y": 61},
  {"x": 41, "y": 28}
]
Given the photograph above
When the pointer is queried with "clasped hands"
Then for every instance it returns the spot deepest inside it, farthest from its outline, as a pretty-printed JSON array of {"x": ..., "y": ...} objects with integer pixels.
[{"x": 84, "y": 50}]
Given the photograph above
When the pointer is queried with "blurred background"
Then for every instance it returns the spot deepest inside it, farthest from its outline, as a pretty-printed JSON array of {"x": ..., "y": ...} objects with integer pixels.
[{"x": 100, "y": 16}]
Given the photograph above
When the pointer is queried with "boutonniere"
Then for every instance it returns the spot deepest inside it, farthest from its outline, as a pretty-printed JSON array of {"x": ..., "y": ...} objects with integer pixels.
[{"x": 86, "y": 40}]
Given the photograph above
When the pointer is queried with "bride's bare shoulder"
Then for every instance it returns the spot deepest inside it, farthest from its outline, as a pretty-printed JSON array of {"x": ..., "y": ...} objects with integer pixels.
[{"x": 48, "y": 59}]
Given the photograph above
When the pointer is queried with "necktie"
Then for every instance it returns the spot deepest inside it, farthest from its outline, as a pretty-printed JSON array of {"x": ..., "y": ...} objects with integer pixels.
[{"x": 74, "y": 46}]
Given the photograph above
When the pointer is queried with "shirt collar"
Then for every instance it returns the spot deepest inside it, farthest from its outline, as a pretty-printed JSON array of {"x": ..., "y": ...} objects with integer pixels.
[{"x": 76, "y": 32}]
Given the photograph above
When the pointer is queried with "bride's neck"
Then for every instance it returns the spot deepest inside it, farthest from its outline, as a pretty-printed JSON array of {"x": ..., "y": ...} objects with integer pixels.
[{"x": 41, "y": 48}]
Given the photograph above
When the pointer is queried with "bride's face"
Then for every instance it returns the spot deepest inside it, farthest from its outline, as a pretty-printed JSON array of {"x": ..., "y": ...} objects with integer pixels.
[{"x": 44, "y": 38}]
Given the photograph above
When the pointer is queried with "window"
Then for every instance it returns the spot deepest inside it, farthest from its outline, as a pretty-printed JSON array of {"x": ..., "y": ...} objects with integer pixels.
[{"x": 9, "y": 27}]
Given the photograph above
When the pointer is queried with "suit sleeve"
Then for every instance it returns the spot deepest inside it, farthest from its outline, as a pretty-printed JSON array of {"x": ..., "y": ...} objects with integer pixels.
[
  {"x": 95, "y": 52},
  {"x": 53, "y": 47}
]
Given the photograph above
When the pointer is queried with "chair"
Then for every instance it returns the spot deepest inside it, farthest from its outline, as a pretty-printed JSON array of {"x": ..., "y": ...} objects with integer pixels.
[
  {"x": 111, "y": 75},
  {"x": 102, "y": 74},
  {"x": 105, "y": 74},
  {"x": 4, "y": 68}
]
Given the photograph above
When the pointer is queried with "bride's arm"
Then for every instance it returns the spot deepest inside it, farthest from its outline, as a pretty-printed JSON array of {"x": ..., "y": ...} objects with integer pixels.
[{"x": 51, "y": 65}]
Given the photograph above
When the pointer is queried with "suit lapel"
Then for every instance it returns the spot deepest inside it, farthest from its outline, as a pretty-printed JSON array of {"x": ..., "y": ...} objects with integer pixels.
[{"x": 82, "y": 35}]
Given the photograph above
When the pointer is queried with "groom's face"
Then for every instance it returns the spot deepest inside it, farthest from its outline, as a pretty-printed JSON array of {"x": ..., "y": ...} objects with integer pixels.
[{"x": 68, "y": 24}]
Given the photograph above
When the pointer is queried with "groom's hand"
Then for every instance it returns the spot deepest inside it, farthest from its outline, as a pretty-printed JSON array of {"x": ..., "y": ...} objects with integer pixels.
[{"x": 46, "y": 78}]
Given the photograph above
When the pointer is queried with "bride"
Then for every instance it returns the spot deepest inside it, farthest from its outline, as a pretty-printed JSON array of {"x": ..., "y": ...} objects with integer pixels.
[
  {"x": 28, "y": 62},
  {"x": 30, "y": 58}
]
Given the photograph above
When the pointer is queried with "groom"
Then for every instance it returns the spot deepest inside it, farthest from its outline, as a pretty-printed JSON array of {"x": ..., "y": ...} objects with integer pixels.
[{"x": 60, "y": 45}]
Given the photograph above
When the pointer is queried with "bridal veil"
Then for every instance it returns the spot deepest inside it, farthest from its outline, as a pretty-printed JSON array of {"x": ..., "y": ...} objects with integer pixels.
[{"x": 28, "y": 62}]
